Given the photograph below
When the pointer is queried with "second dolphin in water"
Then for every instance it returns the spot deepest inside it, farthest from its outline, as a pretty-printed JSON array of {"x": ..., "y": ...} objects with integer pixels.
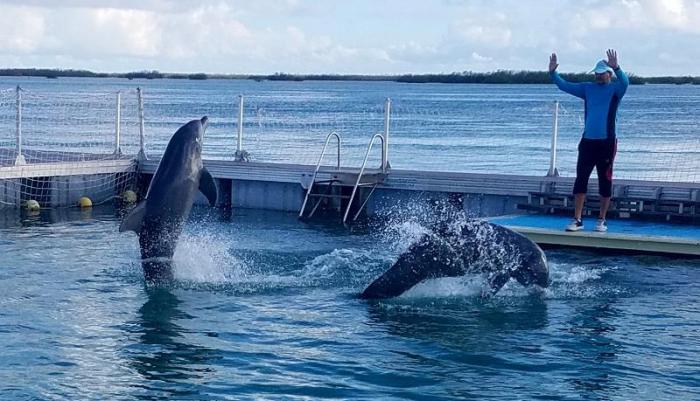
[
  {"x": 159, "y": 218},
  {"x": 471, "y": 247}
]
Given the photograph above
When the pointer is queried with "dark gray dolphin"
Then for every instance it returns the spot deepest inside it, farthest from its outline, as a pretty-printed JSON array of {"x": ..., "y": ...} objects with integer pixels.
[
  {"x": 159, "y": 218},
  {"x": 472, "y": 247}
]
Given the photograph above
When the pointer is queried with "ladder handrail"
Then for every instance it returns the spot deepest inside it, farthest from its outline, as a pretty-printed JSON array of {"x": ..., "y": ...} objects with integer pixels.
[
  {"x": 362, "y": 170},
  {"x": 318, "y": 167}
]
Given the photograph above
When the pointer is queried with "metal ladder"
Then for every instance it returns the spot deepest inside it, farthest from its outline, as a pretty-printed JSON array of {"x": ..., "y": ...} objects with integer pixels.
[
  {"x": 357, "y": 181},
  {"x": 313, "y": 178},
  {"x": 359, "y": 178}
]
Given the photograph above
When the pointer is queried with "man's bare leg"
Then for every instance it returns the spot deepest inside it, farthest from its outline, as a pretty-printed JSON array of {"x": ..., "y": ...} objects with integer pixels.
[
  {"x": 579, "y": 200},
  {"x": 604, "y": 204}
]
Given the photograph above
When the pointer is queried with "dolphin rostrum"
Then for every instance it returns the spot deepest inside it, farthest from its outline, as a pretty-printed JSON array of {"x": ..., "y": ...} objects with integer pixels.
[
  {"x": 472, "y": 247},
  {"x": 159, "y": 218}
]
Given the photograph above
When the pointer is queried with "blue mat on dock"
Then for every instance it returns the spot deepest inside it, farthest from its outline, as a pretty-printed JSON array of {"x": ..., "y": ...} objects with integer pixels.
[{"x": 624, "y": 227}]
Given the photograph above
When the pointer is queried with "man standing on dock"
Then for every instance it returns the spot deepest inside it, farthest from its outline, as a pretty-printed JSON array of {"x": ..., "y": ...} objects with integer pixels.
[{"x": 599, "y": 143}]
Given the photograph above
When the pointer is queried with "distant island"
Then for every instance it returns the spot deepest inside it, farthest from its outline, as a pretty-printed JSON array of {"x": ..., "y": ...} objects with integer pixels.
[{"x": 465, "y": 77}]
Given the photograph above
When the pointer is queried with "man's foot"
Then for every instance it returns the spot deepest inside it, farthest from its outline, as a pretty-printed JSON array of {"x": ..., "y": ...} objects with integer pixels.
[
  {"x": 575, "y": 225},
  {"x": 601, "y": 226}
]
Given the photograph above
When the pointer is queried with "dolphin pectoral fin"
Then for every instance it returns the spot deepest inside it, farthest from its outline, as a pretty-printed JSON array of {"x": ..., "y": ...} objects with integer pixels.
[
  {"x": 208, "y": 186},
  {"x": 497, "y": 280},
  {"x": 134, "y": 219}
]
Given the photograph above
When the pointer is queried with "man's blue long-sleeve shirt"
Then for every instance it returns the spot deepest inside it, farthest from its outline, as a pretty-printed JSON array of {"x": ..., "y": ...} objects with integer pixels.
[{"x": 601, "y": 102}]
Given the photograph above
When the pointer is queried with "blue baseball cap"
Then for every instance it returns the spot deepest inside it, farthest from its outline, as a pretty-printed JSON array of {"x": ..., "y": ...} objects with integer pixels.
[{"x": 601, "y": 67}]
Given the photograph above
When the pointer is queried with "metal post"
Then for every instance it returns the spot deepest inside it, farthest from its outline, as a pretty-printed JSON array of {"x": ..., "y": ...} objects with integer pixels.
[
  {"x": 239, "y": 144},
  {"x": 117, "y": 125},
  {"x": 142, "y": 139},
  {"x": 240, "y": 155},
  {"x": 19, "y": 160},
  {"x": 553, "y": 155},
  {"x": 385, "y": 144}
]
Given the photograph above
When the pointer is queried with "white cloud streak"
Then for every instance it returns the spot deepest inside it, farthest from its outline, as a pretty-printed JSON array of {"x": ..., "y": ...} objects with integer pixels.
[{"x": 652, "y": 36}]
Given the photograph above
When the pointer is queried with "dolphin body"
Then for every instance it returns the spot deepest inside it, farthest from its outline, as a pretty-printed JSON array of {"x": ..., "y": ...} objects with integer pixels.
[
  {"x": 159, "y": 218},
  {"x": 474, "y": 247}
]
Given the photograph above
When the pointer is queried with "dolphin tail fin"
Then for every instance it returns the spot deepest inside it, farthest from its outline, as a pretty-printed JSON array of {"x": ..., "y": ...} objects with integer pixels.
[
  {"x": 208, "y": 186},
  {"x": 134, "y": 219}
]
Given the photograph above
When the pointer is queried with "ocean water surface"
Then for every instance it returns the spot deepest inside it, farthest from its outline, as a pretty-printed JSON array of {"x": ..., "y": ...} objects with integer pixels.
[{"x": 265, "y": 307}]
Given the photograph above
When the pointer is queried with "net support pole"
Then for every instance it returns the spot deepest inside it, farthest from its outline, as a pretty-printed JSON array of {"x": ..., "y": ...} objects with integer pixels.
[
  {"x": 553, "y": 148},
  {"x": 142, "y": 139},
  {"x": 385, "y": 142},
  {"x": 117, "y": 125},
  {"x": 19, "y": 160},
  {"x": 240, "y": 155}
]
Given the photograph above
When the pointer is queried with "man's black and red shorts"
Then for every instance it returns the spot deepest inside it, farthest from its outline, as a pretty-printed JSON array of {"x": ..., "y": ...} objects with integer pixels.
[{"x": 598, "y": 153}]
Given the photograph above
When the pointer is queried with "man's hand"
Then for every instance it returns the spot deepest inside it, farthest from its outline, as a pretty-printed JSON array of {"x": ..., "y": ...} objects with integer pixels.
[
  {"x": 553, "y": 62},
  {"x": 612, "y": 59}
]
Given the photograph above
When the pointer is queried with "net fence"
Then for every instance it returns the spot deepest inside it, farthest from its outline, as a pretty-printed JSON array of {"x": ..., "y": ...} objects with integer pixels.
[
  {"x": 481, "y": 135},
  {"x": 275, "y": 130},
  {"x": 655, "y": 142},
  {"x": 504, "y": 130},
  {"x": 56, "y": 147}
]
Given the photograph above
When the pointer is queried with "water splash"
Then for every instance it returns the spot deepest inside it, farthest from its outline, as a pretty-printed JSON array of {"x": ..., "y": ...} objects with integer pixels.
[
  {"x": 573, "y": 279},
  {"x": 405, "y": 223},
  {"x": 345, "y": 268},
  {"x": 205, "y": 258},
  {"x": 465, "y": 286}
]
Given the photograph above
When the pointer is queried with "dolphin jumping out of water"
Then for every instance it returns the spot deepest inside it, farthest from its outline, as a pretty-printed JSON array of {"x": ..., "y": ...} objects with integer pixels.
[
  {"x": 472, "y": 247},
  {"x": 159, "y": 218}
]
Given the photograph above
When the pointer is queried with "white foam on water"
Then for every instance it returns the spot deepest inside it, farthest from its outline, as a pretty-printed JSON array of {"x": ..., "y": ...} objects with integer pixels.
[
  {"x": 574, "y": 280},
  {"x": 400, "y": 235},
  {"x": 574, "y": 274},
  {"x": 205, "y": 258},
  {"x": 465, "y": 286},
  {"x": 345, "y": 267}
]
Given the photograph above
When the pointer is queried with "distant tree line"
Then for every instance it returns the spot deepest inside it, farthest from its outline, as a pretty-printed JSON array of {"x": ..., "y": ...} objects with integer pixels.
[
  {"x": 465, "y": 77},
  {"x": 502, "y": 77},
  {"x": 49, "y": 73}
]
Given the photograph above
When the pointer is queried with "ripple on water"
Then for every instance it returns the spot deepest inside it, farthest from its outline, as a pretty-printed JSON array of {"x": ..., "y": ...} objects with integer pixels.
[{"x": 249, "y": 319}]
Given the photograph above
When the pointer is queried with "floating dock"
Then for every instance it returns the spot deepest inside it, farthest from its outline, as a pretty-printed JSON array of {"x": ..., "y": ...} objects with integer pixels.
[
  {"x": 622, "y": 235},
  {"x": 497, "y": 197},
  {"x": 282, "y": 187}
]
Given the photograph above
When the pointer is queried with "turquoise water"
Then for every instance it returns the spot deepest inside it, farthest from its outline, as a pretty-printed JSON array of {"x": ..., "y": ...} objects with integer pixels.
[{"x": 265, "y": 307}]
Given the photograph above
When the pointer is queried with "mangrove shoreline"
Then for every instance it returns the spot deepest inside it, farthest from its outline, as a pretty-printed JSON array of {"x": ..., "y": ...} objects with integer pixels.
[{"x": 465, "y": 77}]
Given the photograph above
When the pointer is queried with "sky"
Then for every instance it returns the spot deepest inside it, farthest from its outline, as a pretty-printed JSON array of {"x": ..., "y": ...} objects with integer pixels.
[{"x": 652, "y": 37}]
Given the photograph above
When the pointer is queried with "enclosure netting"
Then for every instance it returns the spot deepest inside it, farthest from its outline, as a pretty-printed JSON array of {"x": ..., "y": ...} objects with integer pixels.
[
  {"x": 56, "y": 145},
  {"x": 479, "y": 135},
  {"x": 459, "y": 131}
]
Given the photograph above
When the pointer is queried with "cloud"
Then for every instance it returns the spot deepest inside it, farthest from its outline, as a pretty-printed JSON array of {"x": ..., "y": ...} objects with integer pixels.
[
  {"x": 110, "y": 32},
  {"x": 236, "y": 36},
  {"x": 480, "y": 59},
  {"x": 22, "y": 29},
  {"x": 490, "y": 29}
]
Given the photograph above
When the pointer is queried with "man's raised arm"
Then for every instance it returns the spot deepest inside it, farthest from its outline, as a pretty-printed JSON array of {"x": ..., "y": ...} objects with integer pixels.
[
  {"x": 622, "y": 80},
  {"x": 568, "y": 87}
]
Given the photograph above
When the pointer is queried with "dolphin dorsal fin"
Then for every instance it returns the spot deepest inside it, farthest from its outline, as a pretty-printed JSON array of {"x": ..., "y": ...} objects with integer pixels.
[
  {"x": 134, "y": 219},
  {"x": 208, "y": 186}
]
